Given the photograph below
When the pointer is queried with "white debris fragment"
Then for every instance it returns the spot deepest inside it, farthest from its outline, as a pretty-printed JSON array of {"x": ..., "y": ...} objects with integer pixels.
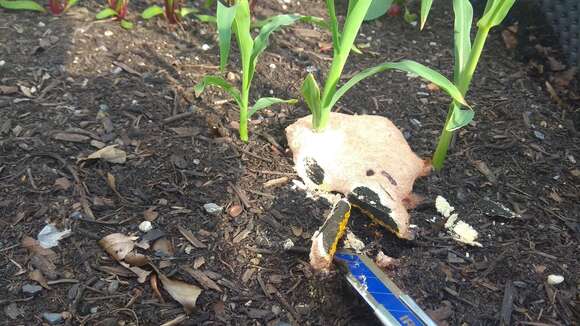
[
  {"x": 205, "y": 47},
  {"x": 272, "y": 66},
  {"x": 49, "y": 236},
  {"x": 108, "y": 33},
  {"x": 555, "y": 279},
  {"x": 212, "y": 208},
  {"x": 443, "y": 206},
  {"x": 353, "y": 242},
  {"x": 2, "y": 62},
  {"x": 145, "y": 226},
  {"x": 384, "y": 261},
  {"x": 288, "y": 244},
  {"x": 465, "y": 233}
]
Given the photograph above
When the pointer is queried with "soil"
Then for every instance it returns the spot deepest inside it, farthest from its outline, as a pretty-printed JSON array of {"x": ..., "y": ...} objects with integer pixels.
[{"x": 75, "y": 76}]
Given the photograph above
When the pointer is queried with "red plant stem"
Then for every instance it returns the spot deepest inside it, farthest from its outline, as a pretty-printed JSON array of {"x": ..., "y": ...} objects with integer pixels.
[
  {"x": 172, "y": 7},
  {"x": 56, "y": 7},
  {"x": 121, "y": 8}
]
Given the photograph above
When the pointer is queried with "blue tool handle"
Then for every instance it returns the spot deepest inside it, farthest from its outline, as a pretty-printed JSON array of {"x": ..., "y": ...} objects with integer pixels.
[{"x": 390, "y": 304}]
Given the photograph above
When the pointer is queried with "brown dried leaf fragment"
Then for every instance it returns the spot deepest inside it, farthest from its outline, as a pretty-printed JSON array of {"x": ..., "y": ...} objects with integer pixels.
[
  {"x": 110, "y": 154},
  {"x": 37, "y": 276},
  {"x": 184, "y": 293},
  {"x": 191, "y": 238},
  {"x": 203, "y": 279},
  {"x": 118, "y": 245}
]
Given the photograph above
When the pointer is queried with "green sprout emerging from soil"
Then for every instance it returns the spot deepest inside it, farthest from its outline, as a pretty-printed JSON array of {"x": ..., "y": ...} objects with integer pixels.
[
  {"x": 320, "y": 105},
  {"x": 55, "y": 7},
  {"x": 173, "y": 11},
  {"x": 466, "y": 59},
  {"x": 118, "y": 10},
  {"x": 237, "y": 19}
]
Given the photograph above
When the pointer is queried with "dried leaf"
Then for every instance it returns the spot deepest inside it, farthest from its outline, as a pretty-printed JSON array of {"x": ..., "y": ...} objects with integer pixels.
[
  {"x": 155, "y": 287},
  {"x": 140, "y": 272},
  {"x": 150, "y": 214},
  {"x": 191, "y": 238},
  {"x": 36, "y": 249},
  {"x": 198, "y": 262},
  {"x": 185, "y": 131},
  {"x": 45, "y": 265},
  {"x": 37, "y": 276},
  {"x": 203, "y": 279},
  {"x": 184, "y": 293},
  {"x": 118, "y": 245},
  {"x": 163, "y": 247},
  {"x": 509, "y": 39},
  {"x": 482, "y": 167},
  {"x": 112, "y": 182},
  {"x": 62, "y": 183},
  {"x": 136, "y": 259},
  {"x": 110, "y": 154}
]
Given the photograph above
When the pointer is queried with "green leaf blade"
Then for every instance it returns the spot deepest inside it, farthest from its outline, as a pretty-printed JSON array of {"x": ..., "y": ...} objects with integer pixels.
[
  {"x": 311, "y": 94},
  {"x": 406, "y": 66},
  {"x": 262, "y": 40},
  {"x": 425, "y": 9},
  {"x": 224, "y": 18},
  {"x": 185, "y": 11},
  {"x": 22, "y": 5},
  {"x": 459, "y": 118},
  {"x": 220, "y": 82},
  {"x": 463, "y": 12},
  {"x": 105, "y": 13},
  {"x": 151, "y": 12},
  {"x": 127, "y": 24},
  {"x": 377, "y": 9},
  {"x": 266, "y": 102}
]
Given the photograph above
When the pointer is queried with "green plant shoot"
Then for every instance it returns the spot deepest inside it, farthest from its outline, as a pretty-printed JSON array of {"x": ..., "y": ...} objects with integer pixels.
[
  {"x": 116, "y": 9},
  {"x": 55, "y": 7},
  {"x": 237, "y": 19},
  {"x": 321, "y": 104},
  {"x": 466, "y": 58},
  {"x": 173, "y": 11}
]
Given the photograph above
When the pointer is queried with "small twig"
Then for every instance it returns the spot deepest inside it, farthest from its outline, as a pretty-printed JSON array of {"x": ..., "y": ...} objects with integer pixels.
[
  {"x": 177, "y": 117},
  {"x": 255, "y": 155},
  {"x": 32, "y": 183},
  {"x": 64, "y": 280},
  {"x": 290, "y": 174},
  {"x": 286, "y": 305},
  {"x": 240, "y": 195}
]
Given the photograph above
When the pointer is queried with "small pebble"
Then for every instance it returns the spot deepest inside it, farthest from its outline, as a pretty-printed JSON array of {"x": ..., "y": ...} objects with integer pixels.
[
  {"x": 272, "y": 66},
  {"x": 288, "y": 244},
  {"x": 2, "y": 62},
  {"x": 108, "y": 33},
  {"x": 555, "y": 279},
  {"x": 539, "y": 135},
  {"x": 145, "y": 226},
  {"x": 31, "y": 289},
  {"x": 205, "y": 47},
  {"x": 41, "y": 24},
  {"x": 212, "y": 208},
  {"x": 53, "y": 318}
]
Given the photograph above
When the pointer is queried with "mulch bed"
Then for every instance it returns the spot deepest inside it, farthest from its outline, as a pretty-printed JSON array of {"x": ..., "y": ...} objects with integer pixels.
[{"x": 69, "y": 76}]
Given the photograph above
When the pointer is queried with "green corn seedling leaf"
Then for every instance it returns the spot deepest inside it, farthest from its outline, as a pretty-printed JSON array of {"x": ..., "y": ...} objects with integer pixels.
[
  {"x": 378, "y": 8},
  {"x": 459, "y": 118},
  {"x": 354, "y": 19},
  {"x": 406, "y": 66},
  {"x": 152, "y": 12},
  {"x": 220, "y": 82},
  {"x": 333, "y": 23},
  {"x": 225, "y": 17},
  {"x": 495, "y": 12},
  {"x": 206, "y": 19},
  {"x": 261, "y": 41},
  {"x": 311, "y": 94},
  {"x": 265, "y": 102},
  {"x": 71, "y": 3},
  {"x": 188, "y": 11},
  {"x": 425, "y": 9},
  {"x": 462, "y": 31},
  {"x": 409, "y": 17},
  {"x": 22, "y": 5},
  {"x": 106, "y": 13},
  {"x": 126, "y": 24}
]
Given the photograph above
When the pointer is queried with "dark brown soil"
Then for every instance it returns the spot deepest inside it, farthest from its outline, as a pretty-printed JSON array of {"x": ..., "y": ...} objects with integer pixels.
[{"x": 524, "y": 137}]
